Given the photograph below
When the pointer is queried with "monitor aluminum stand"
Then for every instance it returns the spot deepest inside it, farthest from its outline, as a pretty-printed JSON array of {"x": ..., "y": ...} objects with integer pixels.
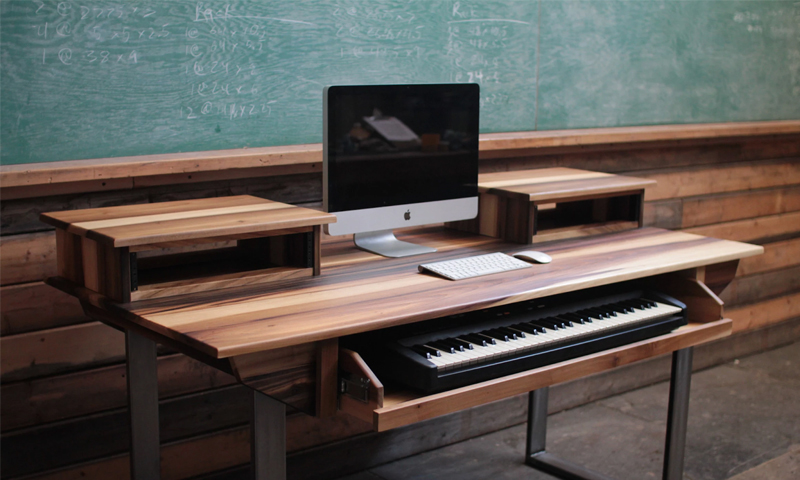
[{"x": 384, "y": 243}]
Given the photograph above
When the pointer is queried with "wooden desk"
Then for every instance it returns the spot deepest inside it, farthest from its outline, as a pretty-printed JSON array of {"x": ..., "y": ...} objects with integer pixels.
[{"x": 282, "y": 339}]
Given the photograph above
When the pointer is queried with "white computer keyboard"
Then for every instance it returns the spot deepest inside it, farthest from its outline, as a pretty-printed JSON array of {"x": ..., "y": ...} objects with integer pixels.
[{"x": 476, "y": 266}]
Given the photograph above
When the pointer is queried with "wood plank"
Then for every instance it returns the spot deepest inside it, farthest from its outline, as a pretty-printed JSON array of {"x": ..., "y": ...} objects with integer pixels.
[
  {"x": 82, "y": 393},
  {"x": 737, "y": 206},
  {"x": 303, "y": 432},
  {"x": 754, "y": 287},
  {"x": 762, "y": 314},
  {"x": 756, "y": 230},
  {"x": 643, "y": 157},
  {"x": 776, "y": 255},
  {"x": 493, "y": 145},
  {"x": 37, "y": 306},
  {"x": 27, "y": 258},
  {"x": 690, "y": 182},
  {"x": 59, "y": 350},
  {"x": 412, "y": 411}
]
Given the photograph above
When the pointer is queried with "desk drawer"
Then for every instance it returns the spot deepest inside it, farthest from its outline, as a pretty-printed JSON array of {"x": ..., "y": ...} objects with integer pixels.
[{"x": 387, "y": 407}]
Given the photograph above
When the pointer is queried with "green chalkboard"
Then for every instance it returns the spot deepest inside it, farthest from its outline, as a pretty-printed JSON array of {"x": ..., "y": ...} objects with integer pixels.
[{"x": 89, "y": 79}]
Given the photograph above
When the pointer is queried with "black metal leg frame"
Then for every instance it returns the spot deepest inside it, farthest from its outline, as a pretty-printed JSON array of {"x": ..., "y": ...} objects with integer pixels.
[
  {"x": 677, "y": 416},
  {"x": 268, "y": 427}
]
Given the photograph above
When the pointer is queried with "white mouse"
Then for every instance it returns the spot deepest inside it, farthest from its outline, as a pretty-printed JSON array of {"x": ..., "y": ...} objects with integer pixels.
[{"x": 534, "y": 256}]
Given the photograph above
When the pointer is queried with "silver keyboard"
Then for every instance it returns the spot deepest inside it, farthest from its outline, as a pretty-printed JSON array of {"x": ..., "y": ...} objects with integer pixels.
[{"x": 476, "y": 266}]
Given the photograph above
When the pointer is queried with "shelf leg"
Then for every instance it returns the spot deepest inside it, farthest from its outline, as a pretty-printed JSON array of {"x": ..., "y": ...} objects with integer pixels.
[
  {"x": 268, "y": 438},
  {"x": 142, "y": 371},
  {"x": 678, "y": 413}
]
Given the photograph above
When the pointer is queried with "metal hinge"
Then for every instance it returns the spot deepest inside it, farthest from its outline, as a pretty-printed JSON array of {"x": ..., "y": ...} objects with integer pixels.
[{"x": 354, "y": 386}]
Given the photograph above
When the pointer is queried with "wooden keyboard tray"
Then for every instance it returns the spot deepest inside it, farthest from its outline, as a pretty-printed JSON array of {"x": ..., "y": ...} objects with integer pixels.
[{"x": 403, "y": 407}]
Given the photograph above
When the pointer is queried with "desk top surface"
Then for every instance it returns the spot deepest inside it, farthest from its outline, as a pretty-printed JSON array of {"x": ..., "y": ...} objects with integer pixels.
[{"x": 359, "y": 291}]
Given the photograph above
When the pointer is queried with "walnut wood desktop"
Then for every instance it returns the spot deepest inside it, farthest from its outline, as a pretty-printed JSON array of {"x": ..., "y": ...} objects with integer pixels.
[{"x": 281, "y": 338}]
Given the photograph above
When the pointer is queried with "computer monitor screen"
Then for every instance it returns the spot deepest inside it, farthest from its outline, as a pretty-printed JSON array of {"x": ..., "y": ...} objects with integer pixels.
[{"x": 399, "y": 155}]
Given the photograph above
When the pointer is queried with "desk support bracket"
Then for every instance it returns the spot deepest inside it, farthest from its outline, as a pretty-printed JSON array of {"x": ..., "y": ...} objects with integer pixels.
[
  {"x": 142, "y": 376},
  {"x": 268, "y": 438},
  {"x": 677, "y": 416}
]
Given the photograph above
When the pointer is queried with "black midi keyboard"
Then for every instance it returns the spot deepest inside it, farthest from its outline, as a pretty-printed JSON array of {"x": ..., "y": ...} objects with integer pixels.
[{"x": 463, "y": 349}]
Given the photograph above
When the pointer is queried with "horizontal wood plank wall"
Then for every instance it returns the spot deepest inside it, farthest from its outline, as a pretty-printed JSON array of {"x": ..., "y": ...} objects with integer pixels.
[{"x": 62, "y": 376}]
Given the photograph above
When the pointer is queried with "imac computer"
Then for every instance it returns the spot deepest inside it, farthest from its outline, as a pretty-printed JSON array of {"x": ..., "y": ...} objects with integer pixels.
[{"x": 399, "y": 156}]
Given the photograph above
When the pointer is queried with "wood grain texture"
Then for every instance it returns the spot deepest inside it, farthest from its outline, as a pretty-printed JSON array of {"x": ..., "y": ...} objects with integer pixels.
[
  {"x": 364, "y": 292},
  {"x": 59, "y": 350},
  {"x": 557, "y": 184},
  {"x": 736, "y": 206},
  {"x": 776, "y": 255},
  {"x": 770, "y": 228},
  {"x": 27, "y": 258},
  {"x": 37, "y": 306},
  {"x": 184, "y": 220},
  {"x": 60, "y": 397},
  {"x": 352, "y": 363},
  {"x": 762, "y": 314},
  {"x": 683, "y": 182},
  {"x": 493, "y": 145},
  {"x": 406, "y": 411}
]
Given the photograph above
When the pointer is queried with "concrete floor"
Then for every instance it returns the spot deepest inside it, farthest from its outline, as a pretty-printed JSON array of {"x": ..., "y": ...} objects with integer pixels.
[{"x": 744, "y": 423}]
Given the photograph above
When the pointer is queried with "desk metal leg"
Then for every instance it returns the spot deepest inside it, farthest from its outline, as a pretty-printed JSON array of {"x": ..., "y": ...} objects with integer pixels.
[
  {"x": 143, "y": 406},
  {"x": 678, "y": 413},
  {"x": 268, "y": 438},
  {"x": 535, "y": 454}
]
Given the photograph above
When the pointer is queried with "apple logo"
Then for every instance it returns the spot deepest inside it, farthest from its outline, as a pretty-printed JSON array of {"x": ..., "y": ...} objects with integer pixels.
[{"x": 407, "y": 215}]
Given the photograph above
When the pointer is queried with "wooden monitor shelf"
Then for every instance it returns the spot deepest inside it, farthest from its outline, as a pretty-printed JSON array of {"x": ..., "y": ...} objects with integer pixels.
[
  {"x": 531, "y": 206},
  {"x": 135, "y": 252}
]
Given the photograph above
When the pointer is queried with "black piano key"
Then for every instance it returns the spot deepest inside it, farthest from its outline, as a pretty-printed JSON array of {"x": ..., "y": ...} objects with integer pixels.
[
  {"x": 425, "y": 353},
  {"x": 467, "y": 345},
  {"x": 457, "y": 345},
  {"x": 565, "y": 322},
  {"x": 495, "y": 334},
  {"x": 527, "y": 328},
  {"x": 620, "y": 307},
  {"x": 431, "y": 350},
  {"x": 478, "y": 339},
  {"x": 512, "y": 333},
  {"x": 574, "y": 317},
  {"x": 597, "y": 311},
  {"x": 548, "y": 323},
  {"x": 442, "y": 346}
]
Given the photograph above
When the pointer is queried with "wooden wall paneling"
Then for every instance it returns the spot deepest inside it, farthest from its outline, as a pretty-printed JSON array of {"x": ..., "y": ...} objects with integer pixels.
[
  {"x": 49, "y": 399},
  {"x": 753, "y": 230},
  {"x": 37, "y": 306},
  {"x": 185, "y": 437},
  {"x": 59, "y": 350},
  {"x": 753, "y": 288},
  {"x": 740, "y": 205},
  {"x": 27, "y": 258},
  {"x": 776, "y": 255},
  {"x": 59, "y": 444},
  {"x": 631, "y": 158},
  {"x": 764, "y": 313},
  {"x": 696, "y": 181}
]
